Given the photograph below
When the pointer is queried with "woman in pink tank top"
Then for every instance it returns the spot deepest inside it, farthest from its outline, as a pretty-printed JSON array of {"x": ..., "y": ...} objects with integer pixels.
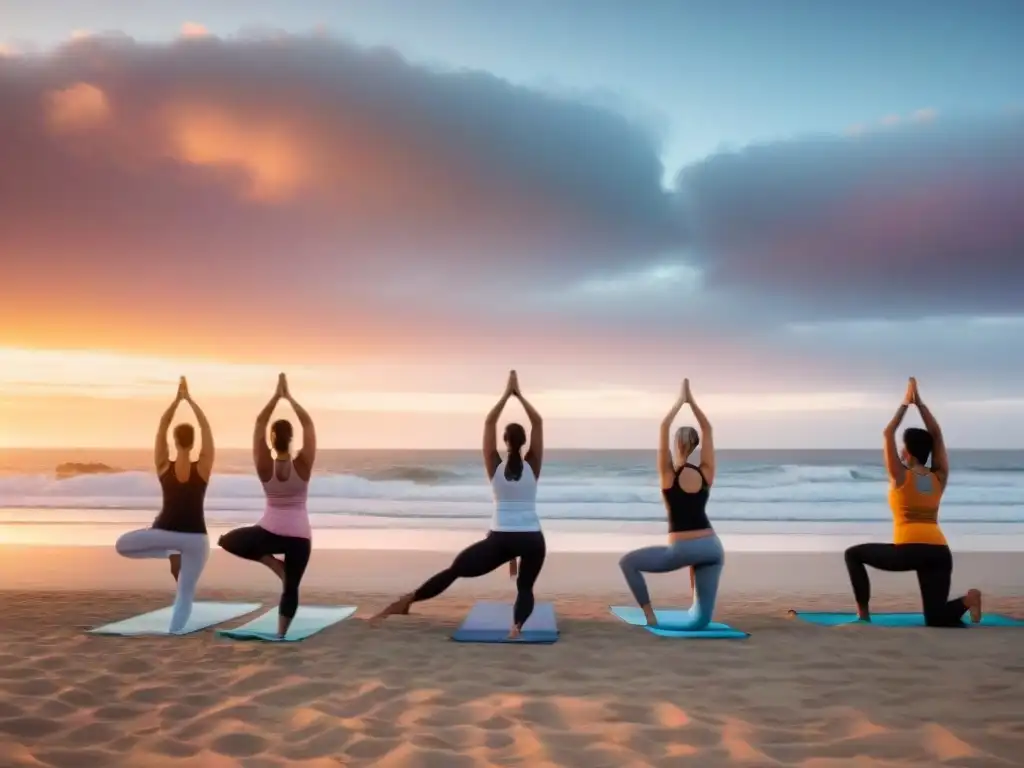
[{"x": 284, "y": 528}]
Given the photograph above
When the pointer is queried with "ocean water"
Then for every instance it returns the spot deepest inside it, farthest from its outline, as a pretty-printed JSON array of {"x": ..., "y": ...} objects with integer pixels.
[{"x": 759, "y": 492}]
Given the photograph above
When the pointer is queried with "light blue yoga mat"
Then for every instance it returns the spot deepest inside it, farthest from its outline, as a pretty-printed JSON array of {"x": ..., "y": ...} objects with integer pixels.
[
  {"x": 826, "y": 619},
  {"x": 490, "y": 623},
  {"x": 309, "y": 620},
  {"x": 158, "y": 622},
  {"x": 714, "y": 631}
]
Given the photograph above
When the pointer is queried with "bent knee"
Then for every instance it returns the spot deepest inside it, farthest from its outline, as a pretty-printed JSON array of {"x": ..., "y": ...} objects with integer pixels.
[
  {"x": 852, "y": 554},
  {"x": 230, "y": 544},
  {"x": 124, "y": 545}
]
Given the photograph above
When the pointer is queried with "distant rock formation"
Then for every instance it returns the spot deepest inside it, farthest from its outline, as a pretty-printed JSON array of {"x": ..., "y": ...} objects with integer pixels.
[{"x": 75, "y": 468}]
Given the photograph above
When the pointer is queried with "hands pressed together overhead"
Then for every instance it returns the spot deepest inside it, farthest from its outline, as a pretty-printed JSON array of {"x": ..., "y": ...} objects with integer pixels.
[
  {"x": 282, "y": 391},
  {"x": 512, "y": 386},
  {"x": 912, "y": 397}
]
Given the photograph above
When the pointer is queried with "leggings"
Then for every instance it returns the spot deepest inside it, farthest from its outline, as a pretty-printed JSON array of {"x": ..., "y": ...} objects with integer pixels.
[
  {"x": 705, "y": 556},
  {"x": 155, "y": 543},
  {"x": 255, "y": 543},
  {"x": 933, "y": 564},
  {"x": 498, "y": 548}
]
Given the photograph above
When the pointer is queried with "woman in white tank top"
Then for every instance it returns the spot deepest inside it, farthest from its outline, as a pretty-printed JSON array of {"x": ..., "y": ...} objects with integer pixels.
[{"x": 515, "y": 533}]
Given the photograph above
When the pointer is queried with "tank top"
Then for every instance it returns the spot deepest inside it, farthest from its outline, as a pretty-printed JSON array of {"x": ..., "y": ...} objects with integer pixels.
[
  {"x": 687, "y": 511},
  {"x": 915, "y": 510},
  {"x": 515, "y": 501},
  {"x": 182, "y": 509},
  {"x": 286, "y": 513}
]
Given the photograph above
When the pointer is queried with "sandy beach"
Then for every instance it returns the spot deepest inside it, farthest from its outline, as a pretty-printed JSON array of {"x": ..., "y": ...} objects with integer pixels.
[{"x": 404, "y": 695}]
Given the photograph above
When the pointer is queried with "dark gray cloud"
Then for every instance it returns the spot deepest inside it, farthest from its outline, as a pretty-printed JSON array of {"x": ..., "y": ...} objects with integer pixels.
[{"x": 915, "y": 220}]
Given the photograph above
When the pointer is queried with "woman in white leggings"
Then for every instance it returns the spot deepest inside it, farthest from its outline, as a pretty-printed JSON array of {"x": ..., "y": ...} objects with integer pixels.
[{"x": 179, "y": 531}]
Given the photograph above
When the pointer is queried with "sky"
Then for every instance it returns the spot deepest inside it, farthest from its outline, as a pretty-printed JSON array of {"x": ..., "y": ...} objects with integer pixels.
[{"x": 795, "y": 205}]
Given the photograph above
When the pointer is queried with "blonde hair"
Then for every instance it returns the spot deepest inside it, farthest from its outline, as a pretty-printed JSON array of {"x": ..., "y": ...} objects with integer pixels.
[{"x": 687, "y": 436}]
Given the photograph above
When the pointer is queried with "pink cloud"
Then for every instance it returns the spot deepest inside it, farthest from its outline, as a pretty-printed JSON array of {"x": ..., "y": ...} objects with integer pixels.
[{"x": 193, "y": 29}]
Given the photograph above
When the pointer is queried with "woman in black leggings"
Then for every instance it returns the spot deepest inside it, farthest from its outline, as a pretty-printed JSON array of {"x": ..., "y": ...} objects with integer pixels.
[
  {"x": 284, "y": 528},
  {"x": 915, "y": 491},
  {"x": 515, "y": 528}
]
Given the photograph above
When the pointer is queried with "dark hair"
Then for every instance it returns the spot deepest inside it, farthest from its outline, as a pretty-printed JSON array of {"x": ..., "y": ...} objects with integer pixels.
[
  {"x": 281, "y": 435},
  {"x": 919, "y": 444},
  {"x": 515, "y": 439},
  {"x": 184, "y": 436}
]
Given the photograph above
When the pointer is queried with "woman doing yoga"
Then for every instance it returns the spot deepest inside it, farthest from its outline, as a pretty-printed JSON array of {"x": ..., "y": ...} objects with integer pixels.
[
  {"x": 915, "y": 491},
  {"x": 515, "y": 528},
  {"x": 284, "y": 528},
  {"x": 692, "y": 542},
  {"x": 179, "y": 531}
]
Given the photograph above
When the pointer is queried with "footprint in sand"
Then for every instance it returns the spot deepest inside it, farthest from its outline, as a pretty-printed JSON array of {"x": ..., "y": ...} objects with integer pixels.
[
  {"x": 29, "y": 727},
  {"x": 239, "y": 744}
]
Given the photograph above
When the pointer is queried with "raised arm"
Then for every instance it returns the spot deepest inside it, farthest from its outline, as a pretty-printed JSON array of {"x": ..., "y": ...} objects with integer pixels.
[
  {"x": 940, "y": 458},
  {"x": 666, "y": 470},
  {"x": 208, "y": 451},
  {"x": 534, "y": 456},
  {"x": 490, "y": 444},
  {"x": 161, "y": 456},
  {"x": 307, "y": 455},
  {"x": 893, "y": 464},
  {"x": 707, "y": 439},
  {"x": 260, "y": 450}
]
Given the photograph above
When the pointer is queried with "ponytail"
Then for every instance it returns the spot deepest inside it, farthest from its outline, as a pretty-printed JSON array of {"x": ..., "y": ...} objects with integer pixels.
[
  {"x": 515, "y": 439},
  {"x": 514, "y": 464}
]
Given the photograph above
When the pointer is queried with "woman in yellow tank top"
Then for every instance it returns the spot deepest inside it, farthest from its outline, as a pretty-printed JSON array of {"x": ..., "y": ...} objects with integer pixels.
[{"x": 915, "y": 490}]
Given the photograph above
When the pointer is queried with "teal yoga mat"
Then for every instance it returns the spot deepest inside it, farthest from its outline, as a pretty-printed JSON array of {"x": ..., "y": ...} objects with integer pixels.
[
  {"x": 158, "y": 622},
  {"x": 309, "y": 620},
  {"x": 825, "y": 619},
  {"x": 490, "y": 622},
  {"x": 714, "y": 631}
]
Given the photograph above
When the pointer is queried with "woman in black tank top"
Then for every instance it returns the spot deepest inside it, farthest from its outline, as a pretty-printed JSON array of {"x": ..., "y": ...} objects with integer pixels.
[
  {"x": 179, "y": 530},
  {"x": 692, "y": 542}
]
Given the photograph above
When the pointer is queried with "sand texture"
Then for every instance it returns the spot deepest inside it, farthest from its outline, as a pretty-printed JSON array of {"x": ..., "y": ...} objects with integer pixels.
[{"x": 405, "y": 695}]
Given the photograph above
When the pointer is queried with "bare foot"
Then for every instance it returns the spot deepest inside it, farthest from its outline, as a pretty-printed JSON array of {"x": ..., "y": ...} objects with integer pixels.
[
  {"x": 175, "y": 565},
  {"x": 652, "y": 617},
  {"x": 973, "y": 601},
  {"x": 863, "y": 614},
  {"x": 398, "y": 608},
  {"x": 515, "y": 633}
]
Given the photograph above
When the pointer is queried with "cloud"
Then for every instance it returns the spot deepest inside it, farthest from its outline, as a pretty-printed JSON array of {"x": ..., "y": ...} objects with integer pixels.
[
  {"x": 927, "y": 218},
  {"x": 76, "y": 108},
  {"x": 346, "y": 197},
  {"x": 193, "y": 29},
  {"x": 331, "y": 176}
]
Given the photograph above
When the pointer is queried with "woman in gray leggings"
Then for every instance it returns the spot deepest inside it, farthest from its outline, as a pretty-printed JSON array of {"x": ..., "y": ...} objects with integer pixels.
[{"x": 692, "y": 542}]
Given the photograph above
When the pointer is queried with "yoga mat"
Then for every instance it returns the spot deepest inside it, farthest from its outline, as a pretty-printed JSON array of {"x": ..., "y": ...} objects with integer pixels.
[
  {"x": 309, "y": 620},
  {"x": 826, "y": 619},
  {"x": 714, "y": 631},
  {"x": 157, "y": 622},
  {"x": 491, "y": 622}
]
